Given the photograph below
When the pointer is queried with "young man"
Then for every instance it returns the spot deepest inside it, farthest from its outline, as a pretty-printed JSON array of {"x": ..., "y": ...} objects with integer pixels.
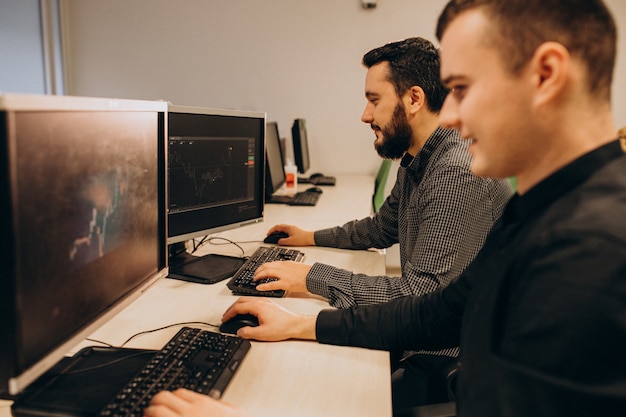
[
  {"x": 540, "y": 313},
  {"x": 438, "y": 211}
]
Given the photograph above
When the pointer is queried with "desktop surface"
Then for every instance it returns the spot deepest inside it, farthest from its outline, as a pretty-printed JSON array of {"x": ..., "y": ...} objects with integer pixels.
[{"x": 340, "y": 381}]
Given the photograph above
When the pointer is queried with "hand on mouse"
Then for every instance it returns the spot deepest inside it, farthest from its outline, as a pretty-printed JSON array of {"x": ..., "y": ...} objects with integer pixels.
[
  {"x": 186, "y": 403},
  {"x": 297, "y": 236},
  {"x": 289, "y": 275},
  {"x": 275, "y": 322}
]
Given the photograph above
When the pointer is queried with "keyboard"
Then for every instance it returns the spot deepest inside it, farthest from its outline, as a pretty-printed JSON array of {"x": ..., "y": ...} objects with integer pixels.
[
  {"x": 195, "y": 359},
  {"x": 302, "y": 198},
  {"x": 242, "y": 284},
  {"x": 317, "y": 179}
]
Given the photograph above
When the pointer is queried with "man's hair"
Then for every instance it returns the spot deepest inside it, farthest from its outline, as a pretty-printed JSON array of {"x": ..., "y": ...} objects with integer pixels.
[
  {"x": 412, "y": 62},
  {"x": 585, "y": 27}
]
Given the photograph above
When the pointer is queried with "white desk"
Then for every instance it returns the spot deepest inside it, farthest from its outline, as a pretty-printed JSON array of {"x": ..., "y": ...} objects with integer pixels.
[{"x": 292, "y": 378}]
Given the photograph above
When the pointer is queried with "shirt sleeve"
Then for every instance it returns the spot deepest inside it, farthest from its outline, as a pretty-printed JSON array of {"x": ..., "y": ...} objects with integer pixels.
[
  {"x": 452, "y": 221},
  {"x": 377, "y": 231},
  {"x": 432, "y": 321}
]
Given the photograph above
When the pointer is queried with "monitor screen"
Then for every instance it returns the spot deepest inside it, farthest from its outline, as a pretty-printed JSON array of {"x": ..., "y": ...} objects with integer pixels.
[
  {"x": 83, "y": 221},
  {"x": 300, "y": 145},
  {"x": 275, "y": 171},
  {"x": 216, "y": 175}
]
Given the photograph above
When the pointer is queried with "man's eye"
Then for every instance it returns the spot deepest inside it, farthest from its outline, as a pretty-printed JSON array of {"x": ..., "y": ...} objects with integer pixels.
[{"x": 458, "y": 91}]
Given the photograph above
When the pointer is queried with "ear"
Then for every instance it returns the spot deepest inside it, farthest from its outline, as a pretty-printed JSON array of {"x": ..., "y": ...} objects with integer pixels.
[
  {"x": 550, "y": 66},
  {"x": 416, "y": 99}
]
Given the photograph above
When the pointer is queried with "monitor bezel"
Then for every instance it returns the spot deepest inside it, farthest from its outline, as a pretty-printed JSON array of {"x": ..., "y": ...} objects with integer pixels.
[
  {"x": 13, "y": 102},
  {"x": 300, "y": 141},
  {"x": 183, "y": 237},
  {"x": 272, "y": 184}
]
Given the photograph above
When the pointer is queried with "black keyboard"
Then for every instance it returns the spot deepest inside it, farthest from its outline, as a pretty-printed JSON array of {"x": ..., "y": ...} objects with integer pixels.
[
  {"x": 318, "y": 180},
  {"x": 195, "y": 359},
  {"x": 242, "y": 284},
  {"x": 323, "y": 180},
  {"x": 302, "y": 198}
]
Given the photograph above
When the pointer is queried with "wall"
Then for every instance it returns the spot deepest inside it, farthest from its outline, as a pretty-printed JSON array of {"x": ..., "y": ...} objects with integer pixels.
[
  {"x": 22, "y": 63},
  {"x": 285, "y": 57}
]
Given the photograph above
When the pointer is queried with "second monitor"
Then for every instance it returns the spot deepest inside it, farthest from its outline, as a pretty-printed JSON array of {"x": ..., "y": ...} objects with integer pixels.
[
  {"x": 301, "y": 155},
  {"x": 215, "y": 183},
  {"x": 275, "y": 177}
]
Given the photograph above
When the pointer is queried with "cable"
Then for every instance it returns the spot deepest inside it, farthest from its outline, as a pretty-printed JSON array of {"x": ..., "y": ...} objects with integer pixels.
[
  {"x": 104, "y": 365},
  {"x": 167, "y": 327},
  {"x": 139, "y": 353},
  {"x": 99, "y": 341}
]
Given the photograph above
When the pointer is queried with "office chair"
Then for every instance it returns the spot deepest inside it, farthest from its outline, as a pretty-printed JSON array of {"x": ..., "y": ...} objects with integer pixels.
[
  {"x": 446, "y": 375},
  {"x": 378, "y": 198}
]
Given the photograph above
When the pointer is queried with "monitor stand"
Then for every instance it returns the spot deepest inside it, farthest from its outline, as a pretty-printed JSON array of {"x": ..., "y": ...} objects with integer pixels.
[
  {"x": 206, "y": 269},
  {"x": 79, "y": 386}
]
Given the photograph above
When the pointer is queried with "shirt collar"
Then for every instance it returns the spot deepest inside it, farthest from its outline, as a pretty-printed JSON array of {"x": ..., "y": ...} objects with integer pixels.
[
  {"x": 560, "y": 183},
  {"x": 417, "y": 162}
]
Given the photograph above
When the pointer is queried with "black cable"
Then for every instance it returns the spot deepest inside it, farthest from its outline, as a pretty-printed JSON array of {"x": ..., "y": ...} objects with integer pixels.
[
  {"x": 104, "y": 365},
  {"x": 100, "y": 341},
  {"x": 167, "y": 327},
  {"x": 141, "y": 352}
]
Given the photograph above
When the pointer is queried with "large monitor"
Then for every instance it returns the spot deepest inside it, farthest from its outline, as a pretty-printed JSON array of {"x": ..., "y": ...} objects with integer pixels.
[
  {"x": 216, "y": 171},
  {"x": 83, "y": 221},
  {"x": 300, "y": 145},
  {"x": 275, "y": 163}
]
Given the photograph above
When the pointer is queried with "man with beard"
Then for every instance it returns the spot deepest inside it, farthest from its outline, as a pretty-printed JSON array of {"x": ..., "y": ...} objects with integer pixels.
[{"x": 438, "y": 211}]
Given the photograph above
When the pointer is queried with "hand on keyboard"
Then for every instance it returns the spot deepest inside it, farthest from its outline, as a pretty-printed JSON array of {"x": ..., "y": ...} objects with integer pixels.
[
  {"x": 288, "y": 276},
  {"x": 193, "y": 404}
]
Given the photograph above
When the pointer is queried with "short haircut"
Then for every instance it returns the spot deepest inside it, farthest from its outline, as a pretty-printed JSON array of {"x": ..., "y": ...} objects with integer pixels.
[
  {"x": 412, "y": 62},
  {"x": 585, "y": 27}
]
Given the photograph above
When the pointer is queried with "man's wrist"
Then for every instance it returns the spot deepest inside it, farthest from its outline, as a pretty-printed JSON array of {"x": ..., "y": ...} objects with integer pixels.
[{"x": 304, "y": 328}]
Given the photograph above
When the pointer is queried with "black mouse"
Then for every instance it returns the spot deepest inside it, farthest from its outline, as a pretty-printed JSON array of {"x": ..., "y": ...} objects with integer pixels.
[
  {"x": 274, "y": 237},
  {"x": 240, "y": 320},
  {"x": 314, "y": 190}
]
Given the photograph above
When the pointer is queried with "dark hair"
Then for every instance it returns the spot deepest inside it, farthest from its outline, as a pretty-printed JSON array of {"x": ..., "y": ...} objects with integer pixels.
[
  {"x": 585, "y": 27},
  {"x": 412, "y": 62}
]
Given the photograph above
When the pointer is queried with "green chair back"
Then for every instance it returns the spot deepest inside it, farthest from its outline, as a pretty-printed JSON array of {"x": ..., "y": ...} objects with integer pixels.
[{"x": 378, "y": 198}]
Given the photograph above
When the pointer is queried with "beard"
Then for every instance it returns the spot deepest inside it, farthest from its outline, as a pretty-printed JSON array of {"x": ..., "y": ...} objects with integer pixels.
[{"x": 396, "y": 136}]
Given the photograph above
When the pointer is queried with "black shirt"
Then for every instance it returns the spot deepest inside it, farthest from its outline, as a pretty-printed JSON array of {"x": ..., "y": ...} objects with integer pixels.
[{"x": 540, "y": 314}]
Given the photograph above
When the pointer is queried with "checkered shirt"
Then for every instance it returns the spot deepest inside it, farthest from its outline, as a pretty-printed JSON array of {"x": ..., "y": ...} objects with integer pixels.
[{"x": 439, "y": 213}]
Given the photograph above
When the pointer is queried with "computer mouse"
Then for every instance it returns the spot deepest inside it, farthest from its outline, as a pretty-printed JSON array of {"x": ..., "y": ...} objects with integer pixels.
[
  {"x": 240, "y": 320},
  {"x": 316, "y": 175},
  {"x": 314, "y": 190},
  {"x": 274, "y": 237}
]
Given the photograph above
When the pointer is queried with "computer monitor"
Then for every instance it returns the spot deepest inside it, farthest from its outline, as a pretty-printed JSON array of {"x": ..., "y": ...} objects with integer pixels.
[
  {"x": 300, "y": 145},
  {"x": 83, "y": 221},
  {"x": 216, "y": 167},
  {"x": 275, "y": 166}
]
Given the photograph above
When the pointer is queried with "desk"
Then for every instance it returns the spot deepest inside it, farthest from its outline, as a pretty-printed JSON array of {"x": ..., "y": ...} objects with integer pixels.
[{"x": 291, "y": 378}]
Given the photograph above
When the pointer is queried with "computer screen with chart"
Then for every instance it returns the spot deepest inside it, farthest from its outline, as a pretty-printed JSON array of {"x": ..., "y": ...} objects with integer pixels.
[
  {"x": 216, "y": 175},
  {"x": 83, "y": 223}
]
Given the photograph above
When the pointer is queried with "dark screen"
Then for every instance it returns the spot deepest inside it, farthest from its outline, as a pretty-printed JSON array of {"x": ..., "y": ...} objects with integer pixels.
[
  {"x": 215, "y": 171},
  {"x": 275, "y": 173},
  {"x": 88, "y": 222},
  {"x": 300, "y": 145}
]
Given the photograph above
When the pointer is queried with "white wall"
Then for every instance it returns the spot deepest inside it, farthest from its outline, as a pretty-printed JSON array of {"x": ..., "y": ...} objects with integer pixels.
[
  {"x": 21, "y": 49},
  {"x": 289, "y": 58}
]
